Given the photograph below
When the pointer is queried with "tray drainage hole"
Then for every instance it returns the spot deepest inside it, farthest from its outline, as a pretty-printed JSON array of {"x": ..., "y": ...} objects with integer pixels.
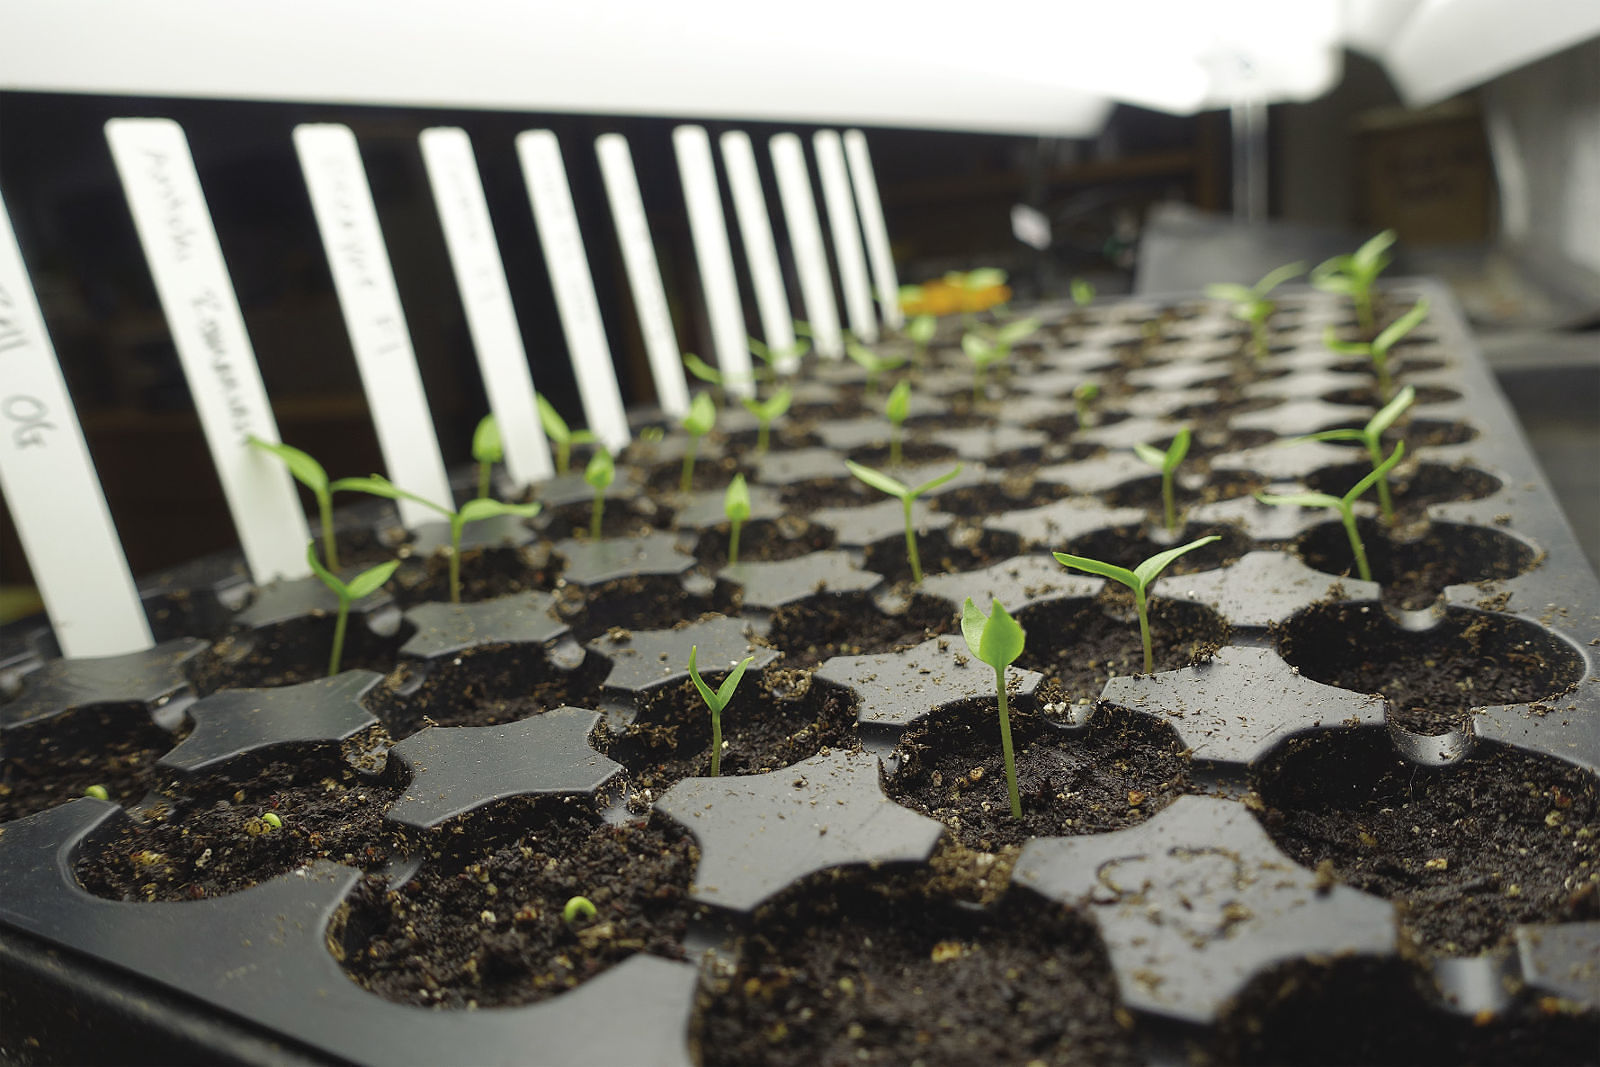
[
  {"x": 1432, "y": 678},
  {"x": 1413, "y": 573}
]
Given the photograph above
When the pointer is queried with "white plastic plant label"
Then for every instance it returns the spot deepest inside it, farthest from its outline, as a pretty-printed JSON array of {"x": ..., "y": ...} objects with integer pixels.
[
  {"x": 876, "y": 229},
  {"x": 568, "y": 263},
  {"x": 486, "y": 299},
  {"x": 761, "y": 253},
  {"x": 644, "y": 274},
  {"x": 805, "y": 239},
  {"x": 846, "y": 234},
  {"x": 348, "y": 221},
  {"x": 710, "y": 231},
  {"x": 50, "y": 484},
  {"x": 180, "y": 244}
]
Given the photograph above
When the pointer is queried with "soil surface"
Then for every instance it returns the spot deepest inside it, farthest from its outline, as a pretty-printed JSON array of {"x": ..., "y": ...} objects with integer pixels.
[
  {"x": 818, "y": 628},
  {"x": 114, "y": 746},
  {"x": 483, "y": 686},
  {"x": 291, "y": 653}
]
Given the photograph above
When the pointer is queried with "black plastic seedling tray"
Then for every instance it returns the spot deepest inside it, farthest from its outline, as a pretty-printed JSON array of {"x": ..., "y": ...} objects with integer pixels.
[{"x": 1345, "y": 821}]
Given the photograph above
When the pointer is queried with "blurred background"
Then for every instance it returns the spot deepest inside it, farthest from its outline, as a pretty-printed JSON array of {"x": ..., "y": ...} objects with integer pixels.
[{"x": 1147, "y": 146}]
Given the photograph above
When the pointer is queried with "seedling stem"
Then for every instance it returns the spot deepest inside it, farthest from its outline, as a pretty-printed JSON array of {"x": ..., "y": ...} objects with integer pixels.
[
  {"x": 736, "y": 505},
  {"x": 599, "y": 474},
  {"x": 698, "y": 422},
  {"x": 1139, "y": 580},
  {"x": 907, "y": 497},
  {"x": 716, "y": 701},
  {"x": 997, "y": 640},
  {"x": 1167, "y": 463},
  {"x": 309, "y": 473},
  {"x": 1344, "y": 505},
  {"x": 362, "y": 585},
  {"x": 556, "y": 428}
]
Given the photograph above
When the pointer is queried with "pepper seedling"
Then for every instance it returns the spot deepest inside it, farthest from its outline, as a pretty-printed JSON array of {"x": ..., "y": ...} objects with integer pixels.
[
  {"x": 1250, "y": 303},
  {"x": 896, "y": 411},
  {"x": 920, "y": 331},
  {"x": 600, "y": 473},
  {"x": 472, "y": 511},
  {"x": 997, "y": 639},
  {"x": 362, "y": 585},
  {"x": 771, "y": 357},
  {"x": 716, "y": 701},
  {"x": 1167, "y": 463},
  {"x": 1083, "y": 398},
  {"x": 987, "y": 350},
  {"x": 701, "y": 417},
  {"x": 766, "y": 412},
  {"x": 1344, "y": 505},
  {"x": 564, "y": 436},
  {"x": 578, "y": 908},
  {"x": 309, "y": 473},
  {"x": 1371, "y": 435},
  {"x": 1378, "y": 349},
  {"x": 487, "y": 450},
  {"x": 736, "y": 505},
  {"x": 907, "y": 497},
  {"x": 1139, "y": 580},
  {"x": 1354, "y": 274},
  {"x": 875, "y": 365},
  {"x": 1082, "y": 292}
]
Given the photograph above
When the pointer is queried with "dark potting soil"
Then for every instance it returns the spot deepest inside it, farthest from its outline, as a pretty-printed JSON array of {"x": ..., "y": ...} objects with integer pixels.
[
  {"x": 1415, "y": 570},
  {"x": 1366, "y": 396},
  {"x": 483, "y": 686},
  {"x": 488, "y": 930},
  {"x": 710, "y": 473},
  {"x": 914, "y": 453},
  {"x": 1146, "y": 492},
  {"x": 1430, "y": 678},
  {"x": 290, "y": 653},
  {"x": 211, "y": 840},
  {"x": 1116, "y": 773},
  {"x": 764, "y": 728},
  {"x": 110, "y": 745},
  {"x": 1413, "y": 491},
  {"x": 1080, "y": 645},
  {"x": 618, "y": 518},
  {"x": 1468, "y": 850},
  {"x": 951, "y": 550},
  {"x": 1017, "y": 491},
  {"x": 764, "y": 541},
  {"x": 486, "y": 574},
  {"x": 884, "y": 969},
  {"x": 851, "y": 624},
  {"x": 648, "y": 602},
  {"x": 1129, "y": 546}
]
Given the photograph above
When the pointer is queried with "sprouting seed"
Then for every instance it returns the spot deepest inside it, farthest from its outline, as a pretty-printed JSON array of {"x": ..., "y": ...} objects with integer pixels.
[
  {"x": 920, "y": 331},
  {"x": 697, "y": 423},
  {"x": 736, "y": 505},
  {"x": 487, "y": 450},
  {"x": 564, "y": 436},
  {"x": 896, "y": 411},
  {"x": 1344, "y": 505},
  {"x": 98, "y": 792},
  {"x": 1167, "y": 463},
  {"x": 273, "y": 820},
  {"x": 1082, "y": 292},
  {"x": 1139, "y": 580},
  {"x": 578, "y": 908},
  {"x": 907, "y": 497},
  {"x": 997, "y": 639},
  {"x": 600, "y": 473},
  {"x": 1083, "y": 398},
  {"x": 716, "y": 700}
]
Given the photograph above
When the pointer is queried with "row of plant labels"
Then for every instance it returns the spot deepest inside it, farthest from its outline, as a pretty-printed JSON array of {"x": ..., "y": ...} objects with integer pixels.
[{"x": 49, "y": 480}]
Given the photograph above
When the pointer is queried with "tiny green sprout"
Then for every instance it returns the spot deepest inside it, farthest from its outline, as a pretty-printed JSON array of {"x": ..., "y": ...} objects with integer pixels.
[
  {"x": 1378, "y": 350},
  {"x": 99, "y": 792},
  {"x": 1250, "y": 303},
  {"x": 1354, "y": 275},
  {"x": 578, "y": 908},
  {"x": 921, "y": 330},
  {"x": 600, "y": 473},
  {"x": 273, "y": 820},
  {"x": 487, "y": 450},
  {"x": 896, "y": 410},
  {"x": 736, "y": 505},
  {"x": 309, "y": 473},
  {"x": 362, "y": 585},
  {"x": 701, "y": 369},
  {"x": 997, "y": 640},
  {"x": 992, "y": 350},
  {"x": 556, "y": 428},
  {"x": 716, "y": 701},
  {"x": 1167, "y": 463},
  {"x": 771, "y": 357},
  {"x": 1371, "y": 435},
  {"x": 698, "y": 422},
  {"x": 1139, "y": 580},
  {"x": 803, "y": 329},
  {"x": 875, "y": 365},
  {"x": 1082, "y": 292},
  {"x": 907, "y": 497},
  {"x": 1083, "y": 398},
  {"x": 472, "y": 511},
  {"x": 766, "y": 412},
  {"x": 1344, "y": 505}
]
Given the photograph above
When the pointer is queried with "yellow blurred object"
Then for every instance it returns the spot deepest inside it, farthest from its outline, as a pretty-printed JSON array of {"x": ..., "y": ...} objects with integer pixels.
[{"x": 953, "y": 294}]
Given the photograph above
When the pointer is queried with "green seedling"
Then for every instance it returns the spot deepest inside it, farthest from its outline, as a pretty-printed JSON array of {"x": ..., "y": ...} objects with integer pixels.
[
  {"x": 578, "y": 908},
  {"x": 736, "y": 505},
  {"x": 362, "y": 585},
  {"x": 1083, "y": 398},
  {"x": 600, "y": 473},
  {"x": 556, "y": 428},
  {"x": 487, "y": 451},
  {"x": 472, "y": 511},
  {"x": 272, "y": 820},
  {"x": 997, "y": 640},
  {"x": 875, "y": 365},
  {"x": 1344, "y": 505},
  {"x": 1082, "y": 292},
  {"x": 1354, "y": 275},
  {"x": 1378, "y": 350},
  {"x": 920, "y": 330},
  {"x": 1139, "y": 580},
  {"x": 702, "y": 370},
  {"x": 309, "y": 473},
  {"x": 989, "y": 349},
  {"x": 99, "y": 792},
  {"x": 1371, "y": 435},
  {"x": 1167, "y": 463},
  {"x": 1250, "y": 303},
  {"x": 896, "y": 410},
  {"x": 698, "y": 422},
  {"x": 766, "y": 412},
  {"x": 771, "y": 357},
  {"x": 907, "y": 497},
  {"x": 716, "y": 701}
]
